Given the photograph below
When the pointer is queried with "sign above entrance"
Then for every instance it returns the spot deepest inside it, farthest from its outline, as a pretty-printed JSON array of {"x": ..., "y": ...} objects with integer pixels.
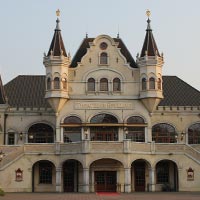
[{"x": 103, "y": 105}]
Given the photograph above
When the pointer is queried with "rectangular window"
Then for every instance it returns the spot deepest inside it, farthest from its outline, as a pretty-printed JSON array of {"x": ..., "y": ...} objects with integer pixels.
[
  {"x": 136, "y": 134},
  {"x": 11, "y": 138}
]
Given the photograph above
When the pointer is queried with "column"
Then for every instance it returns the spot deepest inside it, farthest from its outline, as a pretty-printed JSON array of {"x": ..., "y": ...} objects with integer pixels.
[
  {"x": 58, "y": 179},
  {"x": 152, "y": 179},
  {"x": 86, "y": 180},
  {"x": 58, "y": 134},
  {"x": 127, "y": 181}
]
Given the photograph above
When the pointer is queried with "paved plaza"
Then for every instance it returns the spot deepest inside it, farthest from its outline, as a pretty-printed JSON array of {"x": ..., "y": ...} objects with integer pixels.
[{"x": 93, "y": 196}]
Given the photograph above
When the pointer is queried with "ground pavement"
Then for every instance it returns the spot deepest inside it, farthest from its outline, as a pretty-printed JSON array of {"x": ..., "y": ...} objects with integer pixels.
[{"x": 94, "y": 196}]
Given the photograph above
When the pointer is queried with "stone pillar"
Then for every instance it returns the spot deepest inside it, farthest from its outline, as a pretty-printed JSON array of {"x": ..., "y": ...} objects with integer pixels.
[
  {"x": 86, "y": 180},
  {"x": 62, "y": 135},
  {"x": 58, "y": 179},
  {"x": 127, "y": 181},
  {"x": 149, "y": 134},
  {"x": 152, "y": 183},
  {"x": 58, "y": 134}
]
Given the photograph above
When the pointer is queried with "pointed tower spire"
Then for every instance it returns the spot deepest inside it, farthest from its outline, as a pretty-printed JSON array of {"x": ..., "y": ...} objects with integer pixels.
[
  {"x": 149, "y": 47},
  {"x": 2, "y": 93},
  {"x": 57, "y": 47}
]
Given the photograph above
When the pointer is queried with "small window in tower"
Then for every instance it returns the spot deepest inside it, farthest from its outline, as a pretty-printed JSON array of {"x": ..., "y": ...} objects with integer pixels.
[
  {"x": 64, "y": 83},
  {"x": 104, "y": 58},
  {"x": 48, "y": 83},
  {"x": 144, "y": 84},
  {"x": 91, "y": 85},
  {"x": 56, "y": 83},
  {"x": 152, "y": 83},
  {"x": 116, "y": 85},
  {"x": 159, "y": 84},
  {"x": 104, "y": 84}
]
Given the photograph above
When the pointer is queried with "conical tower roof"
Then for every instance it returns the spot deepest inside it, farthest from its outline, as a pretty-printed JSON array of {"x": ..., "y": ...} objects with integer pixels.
[
  {"x": 149, "y": 47},
  {"x": 57, "y": 47}
]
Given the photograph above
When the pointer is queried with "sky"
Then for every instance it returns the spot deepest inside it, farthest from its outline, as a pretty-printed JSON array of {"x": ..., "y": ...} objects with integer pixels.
[{"x": 27, "y": 28}]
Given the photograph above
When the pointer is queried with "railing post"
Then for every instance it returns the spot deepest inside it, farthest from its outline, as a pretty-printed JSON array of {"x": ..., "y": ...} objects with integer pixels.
[
  {"x": 127, "y": 143},
  {"x": 86, "y": 146}
]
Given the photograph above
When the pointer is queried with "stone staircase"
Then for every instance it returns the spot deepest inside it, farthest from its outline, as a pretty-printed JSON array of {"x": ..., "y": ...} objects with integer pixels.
[{"x": 11, "y": 153}]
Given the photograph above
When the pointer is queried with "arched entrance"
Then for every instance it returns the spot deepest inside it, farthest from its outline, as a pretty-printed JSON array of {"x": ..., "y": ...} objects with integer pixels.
[
  {"x": 107, "y": 175},
  {"x": 43, "y": 177},
  {"x": 167, "y": 175},
  {"x": 139, "y": 172},
  {"x": 72, "y": 176}
]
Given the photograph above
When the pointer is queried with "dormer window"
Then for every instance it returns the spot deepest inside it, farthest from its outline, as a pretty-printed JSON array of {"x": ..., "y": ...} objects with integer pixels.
[
  {"x": 56, "y": 83},
  {"x": 103, "y": 58},
  {"x": 104, "y": 84}
]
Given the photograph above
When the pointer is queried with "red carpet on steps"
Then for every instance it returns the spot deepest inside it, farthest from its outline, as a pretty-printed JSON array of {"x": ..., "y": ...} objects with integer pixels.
[{"x": 107, "y": 193}]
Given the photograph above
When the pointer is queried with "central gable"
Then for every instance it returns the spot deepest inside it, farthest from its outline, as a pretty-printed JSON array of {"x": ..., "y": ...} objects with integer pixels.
[{"x": 115, "y": 47}]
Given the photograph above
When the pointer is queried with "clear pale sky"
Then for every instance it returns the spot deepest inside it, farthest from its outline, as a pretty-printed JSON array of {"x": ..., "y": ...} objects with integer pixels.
[{"x": 27, "y": 28}]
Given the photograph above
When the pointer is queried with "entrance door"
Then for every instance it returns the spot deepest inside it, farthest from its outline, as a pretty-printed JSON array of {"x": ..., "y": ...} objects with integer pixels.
[
  {"x": 68, "y": 178},
  {"x": 140, "y": 177},
  {"x": 105, "y": 181}
]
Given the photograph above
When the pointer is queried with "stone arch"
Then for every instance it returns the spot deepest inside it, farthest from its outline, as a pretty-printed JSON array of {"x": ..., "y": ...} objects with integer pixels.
[{"x": 44, "y": 173}]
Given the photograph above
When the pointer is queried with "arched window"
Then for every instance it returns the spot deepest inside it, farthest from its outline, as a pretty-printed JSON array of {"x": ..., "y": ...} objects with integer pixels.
[
  {"x": 144, "y": 84},
  {"x": 56, "y": 83},
  {"x": 91, "y": 85},
  {"x": 116, "y": 85},
  {"x": 104, "y": 84},
  {"x": 72, "y": 131},
  {"x": 152, "y": 83},
  {"x": 159, "y": 84},
  {"x": 40, "y": 133},
  {"x": 49, "y": 83},
  {"x": 64, "y": 83},
  {"x": 164, "y": 133},
  {"x": 194, "y": 134},
  {"x": 104, "y": 58},
  {"x": 104, "y": 133},
  {"x": 137, "y": 131}
]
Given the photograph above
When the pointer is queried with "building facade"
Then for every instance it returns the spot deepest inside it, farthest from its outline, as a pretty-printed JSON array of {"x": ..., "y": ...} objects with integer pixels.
[{"x": 100, "y": 122}]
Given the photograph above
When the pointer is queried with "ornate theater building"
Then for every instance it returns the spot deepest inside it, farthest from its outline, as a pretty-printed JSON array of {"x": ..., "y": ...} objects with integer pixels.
[{"x": 100, "y": 121}]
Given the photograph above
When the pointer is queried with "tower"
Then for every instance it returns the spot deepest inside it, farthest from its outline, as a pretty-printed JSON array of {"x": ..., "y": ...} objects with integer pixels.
[
  {"x": 56, "y": 63},
  {"x": 150, "y": 63}
]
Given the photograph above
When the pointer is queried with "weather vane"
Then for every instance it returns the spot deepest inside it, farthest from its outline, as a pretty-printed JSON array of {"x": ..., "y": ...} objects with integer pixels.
[
  {"x": 148, "y": 13},
  {"x": 58, "y": 13}
]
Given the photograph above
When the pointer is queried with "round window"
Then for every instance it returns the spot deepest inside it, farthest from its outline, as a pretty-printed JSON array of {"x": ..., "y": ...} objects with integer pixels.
[{"x": 103, "y": 46}]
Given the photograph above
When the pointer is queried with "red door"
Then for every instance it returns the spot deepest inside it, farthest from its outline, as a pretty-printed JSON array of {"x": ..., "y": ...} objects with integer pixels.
[{"x": 105, "y": 181}]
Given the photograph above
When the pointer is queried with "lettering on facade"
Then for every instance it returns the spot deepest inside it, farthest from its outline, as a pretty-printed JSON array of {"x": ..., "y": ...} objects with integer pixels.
[{"x": 96, "y": 106}]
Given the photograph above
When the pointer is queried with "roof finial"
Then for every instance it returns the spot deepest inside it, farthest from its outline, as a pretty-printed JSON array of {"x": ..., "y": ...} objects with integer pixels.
[
  {"x": 58, "y": 13},
  {"x": 148, "y": 13},
  {"x": 86, "y": 35},
  {"x": 57, "y": 21},
  {"x": 118, "y": 35}
]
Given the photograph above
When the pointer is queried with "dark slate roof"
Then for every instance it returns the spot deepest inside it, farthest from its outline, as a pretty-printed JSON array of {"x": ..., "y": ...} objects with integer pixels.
[
  {"x": 57, "y": 44},
  {"x": 149, "y": 45},
  {"x": 27, "y": 91},
  {"x": 2, "y": 93},
  {"x": 85, "y": 44},
  {"x": 179, "y": 93}
]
